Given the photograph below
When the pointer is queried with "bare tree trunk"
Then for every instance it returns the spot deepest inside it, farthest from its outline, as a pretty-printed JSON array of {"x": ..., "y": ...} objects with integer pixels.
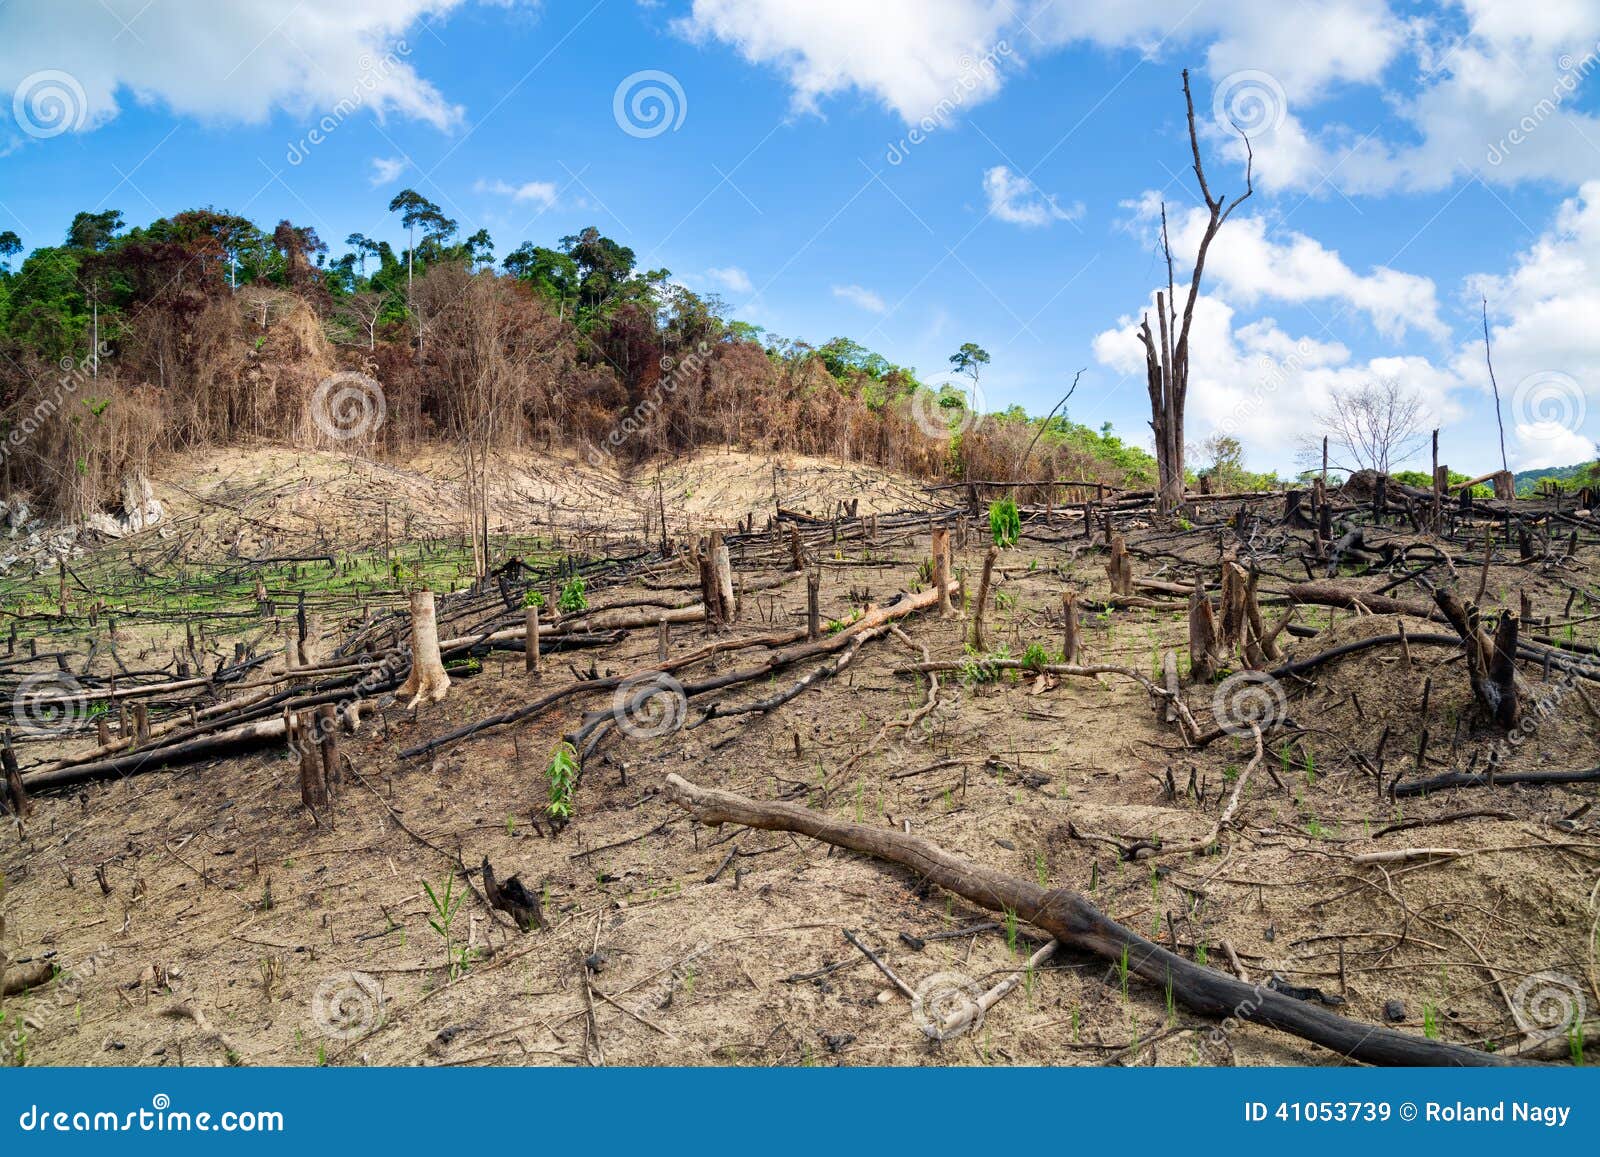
[
  {"x": 983, "y": 597},
  {"x": 1204, "y": 653},
  {"x": 427, "y": 680},
  {"x": 1167, "y": 358},
  {"x": 313, "y": 784},
  {"x": 941, "y": 569},
  {"x": 530, "y": 648},
  {"x": 17, "y": 794},
  {"x": 1069, "y": 628}
]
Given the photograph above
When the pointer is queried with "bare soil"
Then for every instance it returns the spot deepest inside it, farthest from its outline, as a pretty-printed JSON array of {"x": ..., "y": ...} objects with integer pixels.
[{"x": 222, "y": 897}]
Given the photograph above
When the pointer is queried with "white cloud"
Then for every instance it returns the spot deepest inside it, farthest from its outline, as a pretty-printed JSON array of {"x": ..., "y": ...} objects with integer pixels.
[
  {"x": 1483, "y": 85},
  {"x": 1015, "y": 199},
  {"x": 731, "y": 278},
  {"x": 541, "y": 193},
  {"x": 1246, "y": 266},
  {"x": 232, "y": 62},
  {"x": 1262, "y": 384},
  {"x": 386, "y": 169},
  {"x": 1541, "y": 444},
  {"x": 909, "y": 54},
  {"x": 860, "y": 298},
  {"x": 1545, "y": 339}
]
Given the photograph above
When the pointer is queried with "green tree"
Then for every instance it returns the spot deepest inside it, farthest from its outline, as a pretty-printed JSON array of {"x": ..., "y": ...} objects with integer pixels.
[
  {"x": 479, "y": 248},
  {"x": 94, "y": 231},
  {"x": 552, "y": 274},
  {"x": 970, "y": 360},
  {"x": 414, "y": 210}
]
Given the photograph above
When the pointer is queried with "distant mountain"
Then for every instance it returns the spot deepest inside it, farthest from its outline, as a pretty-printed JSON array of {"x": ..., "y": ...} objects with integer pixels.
[{"x": 1527, "y": 481}]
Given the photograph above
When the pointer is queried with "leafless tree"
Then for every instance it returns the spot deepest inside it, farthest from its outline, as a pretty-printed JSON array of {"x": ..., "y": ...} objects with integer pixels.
[
  {"x": 1166, "y": 354},
  {"x": 1376, "y": 426},
  {"x": 358, "y": 315}
]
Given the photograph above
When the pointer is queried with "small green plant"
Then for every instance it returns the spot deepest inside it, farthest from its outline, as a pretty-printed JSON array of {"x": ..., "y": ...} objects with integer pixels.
[
  {"x": 1035, "y": 657},
  {"x": 563, "y": 776},
  {"x": 445, "y": 908},
  {"x": 1011, "y": 930},
  {"x": 1122, "y": 974},
  {"x": 572, "y": 599},
  {"x": 1041, "y": 870},
  {"x": 1005, "y": 525},
  {"x": 533, "y": 599},
  {"x": 1430, "y": 1021},
  {"x": 1575, "y": 1038}
]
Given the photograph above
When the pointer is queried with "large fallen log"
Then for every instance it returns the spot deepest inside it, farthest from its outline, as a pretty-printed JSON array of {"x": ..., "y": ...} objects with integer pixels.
[
  {"x": 1333, "y": 596},
  {"x": 1079, "y": 925}
]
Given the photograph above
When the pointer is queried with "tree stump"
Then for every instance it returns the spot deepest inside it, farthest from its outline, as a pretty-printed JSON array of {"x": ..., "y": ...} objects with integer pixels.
[
  {"x": 941, "y": 569},
  {"x": 427, "y": 680}
]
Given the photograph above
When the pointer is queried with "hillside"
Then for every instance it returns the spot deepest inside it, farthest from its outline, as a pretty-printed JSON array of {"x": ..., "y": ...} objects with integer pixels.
[{"x": 213, "y": 333}]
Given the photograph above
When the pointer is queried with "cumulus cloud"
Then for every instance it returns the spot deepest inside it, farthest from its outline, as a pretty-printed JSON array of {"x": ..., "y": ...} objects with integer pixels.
[
  {"x": 731, "y": 278},
  {"x": 860, "y": 298},
  {"x": 1015, "y": 199},
  {"x": 1470, "y": 85},
  {"x": 541, "y": 193},
  {"x": 1261, "y": 383},
  {"x": 1247, "y": 265},
  {"x": 911, "y": 55},
  {"x": 233, "y": 62},
  {"x": 1546, "y": 344},
  {"x": 386, "y": 169}
]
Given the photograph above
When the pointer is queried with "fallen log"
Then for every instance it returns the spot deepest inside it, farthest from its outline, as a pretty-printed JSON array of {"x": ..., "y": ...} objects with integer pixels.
[
  {"x": 1472, "y": 779},
  {"x": 1079, "y": 925},
  {"x": 1331, "y": 596}
]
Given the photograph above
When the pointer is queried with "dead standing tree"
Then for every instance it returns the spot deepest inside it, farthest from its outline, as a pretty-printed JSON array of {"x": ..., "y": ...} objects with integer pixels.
[{"x": 1166, "y": 354}]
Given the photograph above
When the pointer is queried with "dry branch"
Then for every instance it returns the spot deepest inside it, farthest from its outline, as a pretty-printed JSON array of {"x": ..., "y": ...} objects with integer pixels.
[{"x": 1080, "y": 926}]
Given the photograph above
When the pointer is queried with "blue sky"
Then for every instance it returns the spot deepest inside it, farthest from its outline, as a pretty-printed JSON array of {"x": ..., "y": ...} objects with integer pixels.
[{"x": 1409, "y": 158}]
